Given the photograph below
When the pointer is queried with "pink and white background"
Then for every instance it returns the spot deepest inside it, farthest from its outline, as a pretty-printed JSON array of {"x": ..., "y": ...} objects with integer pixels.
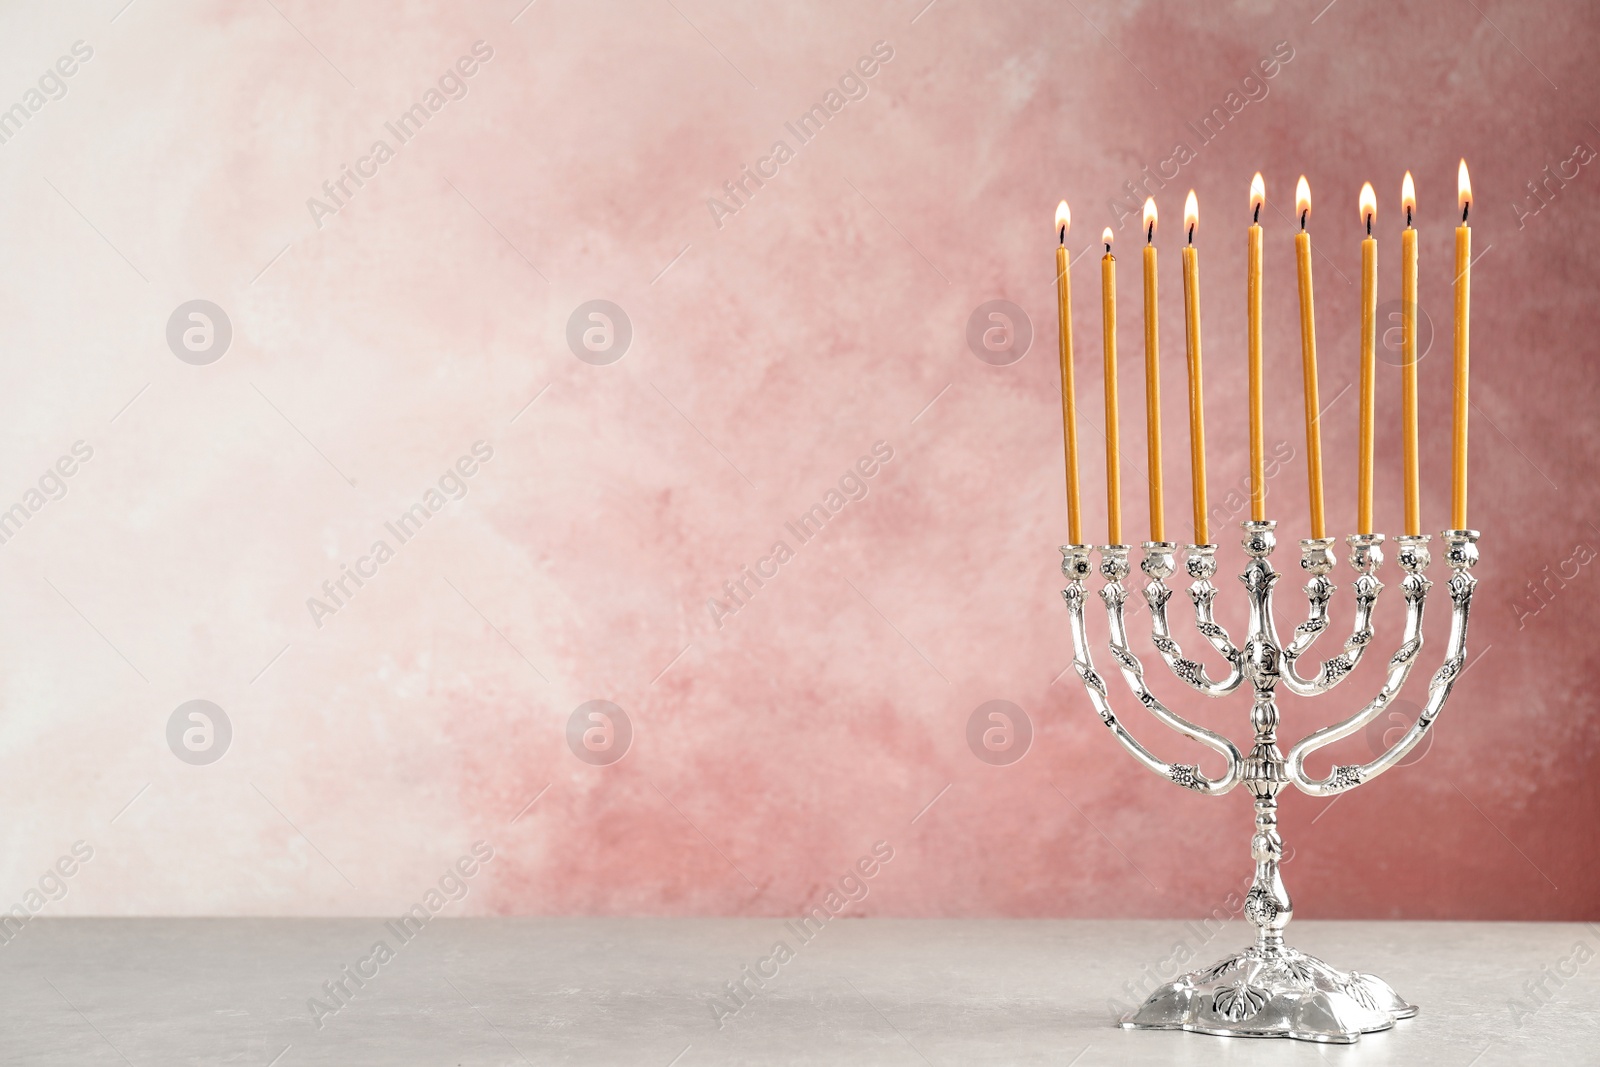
[{"x": 774, "y": 343}]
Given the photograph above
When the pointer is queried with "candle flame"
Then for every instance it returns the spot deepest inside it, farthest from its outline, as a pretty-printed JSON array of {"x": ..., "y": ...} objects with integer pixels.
[
  {"x": 1191, "y": 215},
  {"x": 1258, "y": 196},
  {"x": 1105, "y": 239},
  {"x": 1408, "y": 197},
  {"x": 1369, "y": 205},
  {"x": 1150, "y": 218},
  {"x": 1302, "y": 200},
  {"x": 1463, "y": 190},
  {"x": 1063, "y": 219}
]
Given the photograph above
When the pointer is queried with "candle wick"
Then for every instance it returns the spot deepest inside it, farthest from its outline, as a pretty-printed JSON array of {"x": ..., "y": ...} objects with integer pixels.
[
  {"x": 1063, "y": 235},
  {"x": 1191, "y": 233},
  {"x": 1151, "y": 236},
  {"x": 1303, "y": 215},
  {"x": 1369, "y": 224},
  {"x": 1408, "y": 216},
  {"x": 1465, "y": 206},
  {"x": 1108, "y": 248},
  {"x": 1257, "y": 216}
]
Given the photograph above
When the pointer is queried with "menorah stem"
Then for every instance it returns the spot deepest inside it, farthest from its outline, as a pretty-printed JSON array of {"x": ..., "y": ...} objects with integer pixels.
[{"x": 1268, "y": 904}]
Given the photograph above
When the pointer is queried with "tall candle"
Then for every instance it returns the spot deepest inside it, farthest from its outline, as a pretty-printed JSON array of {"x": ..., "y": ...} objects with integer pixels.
[
  {"x": 1152, "y": 377},
  {"x": 1069, "y": 406},
  {"x": 1408, "y": 356},
  {"x": 1369, "y": 322},
  {"x": 1308, "y": 359},
  {"x": 1108, "y": 304},
  {"x": 1191, "y": 331},
  {"x": 1458, "y": 470},
  {"x": 1258, "y": 469}
]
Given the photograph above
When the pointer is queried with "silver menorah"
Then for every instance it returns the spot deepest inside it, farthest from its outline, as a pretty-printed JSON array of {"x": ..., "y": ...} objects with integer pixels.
[{"x": 1270, "y": 989}]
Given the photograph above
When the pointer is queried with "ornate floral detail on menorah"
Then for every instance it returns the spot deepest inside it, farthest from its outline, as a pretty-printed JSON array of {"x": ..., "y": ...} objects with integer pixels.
[{"x": 1269, "y": 989}]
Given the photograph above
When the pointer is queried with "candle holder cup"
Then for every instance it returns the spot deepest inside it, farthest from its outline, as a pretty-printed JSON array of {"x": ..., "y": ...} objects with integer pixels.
[{"x": 1270, "y": 989}]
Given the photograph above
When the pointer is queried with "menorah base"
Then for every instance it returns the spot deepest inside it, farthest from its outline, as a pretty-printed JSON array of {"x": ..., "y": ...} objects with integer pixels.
[{"x": 1282, "y": 994}]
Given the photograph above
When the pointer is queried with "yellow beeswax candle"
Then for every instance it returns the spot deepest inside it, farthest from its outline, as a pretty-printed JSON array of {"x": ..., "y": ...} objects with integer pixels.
[
  {"x": 1368, "y": 384},
  {"x": 1308, "y": 359},
  {"x": 1152, "y": 378},
  {"x": 1191, "y": 330},
  {"x": 1108, "y": 304},
  {"x": 1069, "y": 407},
  {"x": 1408, "y": 357},
  {"x": 1258, "y": 471},
  {"x": 1458, "y": 465}
]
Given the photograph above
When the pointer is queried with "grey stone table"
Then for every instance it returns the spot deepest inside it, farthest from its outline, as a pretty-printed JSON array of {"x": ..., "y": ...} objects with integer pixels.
[{"x": 655, "y": 992}]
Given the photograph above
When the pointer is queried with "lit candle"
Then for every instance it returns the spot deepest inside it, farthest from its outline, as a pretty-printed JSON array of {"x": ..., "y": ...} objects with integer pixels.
[
  {"x": 1408, "y": 356},
  {"x": 1069, "y": 406},
  {"x": 1191, "y": 329},
  {"x": 1258, "y": 468},
  {"x": 1308, "y": 358},
  {"x": 1108, "y": 302},
  {"x": 1369, "y": 322},
  {"x": 1458, "y": 497},
  {"x": 1152, "y": 377}
]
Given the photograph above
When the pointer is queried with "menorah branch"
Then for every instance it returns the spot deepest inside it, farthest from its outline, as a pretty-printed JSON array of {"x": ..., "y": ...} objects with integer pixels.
[
  {"x": 1414, "y": 560},
  {"x": 1461, "y": 555},
  {"x": 1114, "y": 568},
  {"x": 1316, "y": 559},
  {"x": 1157, "y": 565}
]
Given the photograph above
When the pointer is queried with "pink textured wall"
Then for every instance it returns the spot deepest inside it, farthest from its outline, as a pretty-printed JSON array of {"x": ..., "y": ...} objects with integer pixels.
[{"x": 381, "y": 333}]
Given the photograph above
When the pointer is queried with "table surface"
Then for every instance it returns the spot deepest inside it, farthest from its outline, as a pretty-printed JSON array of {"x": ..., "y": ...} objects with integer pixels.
[{"x": 472, "y": 992}]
